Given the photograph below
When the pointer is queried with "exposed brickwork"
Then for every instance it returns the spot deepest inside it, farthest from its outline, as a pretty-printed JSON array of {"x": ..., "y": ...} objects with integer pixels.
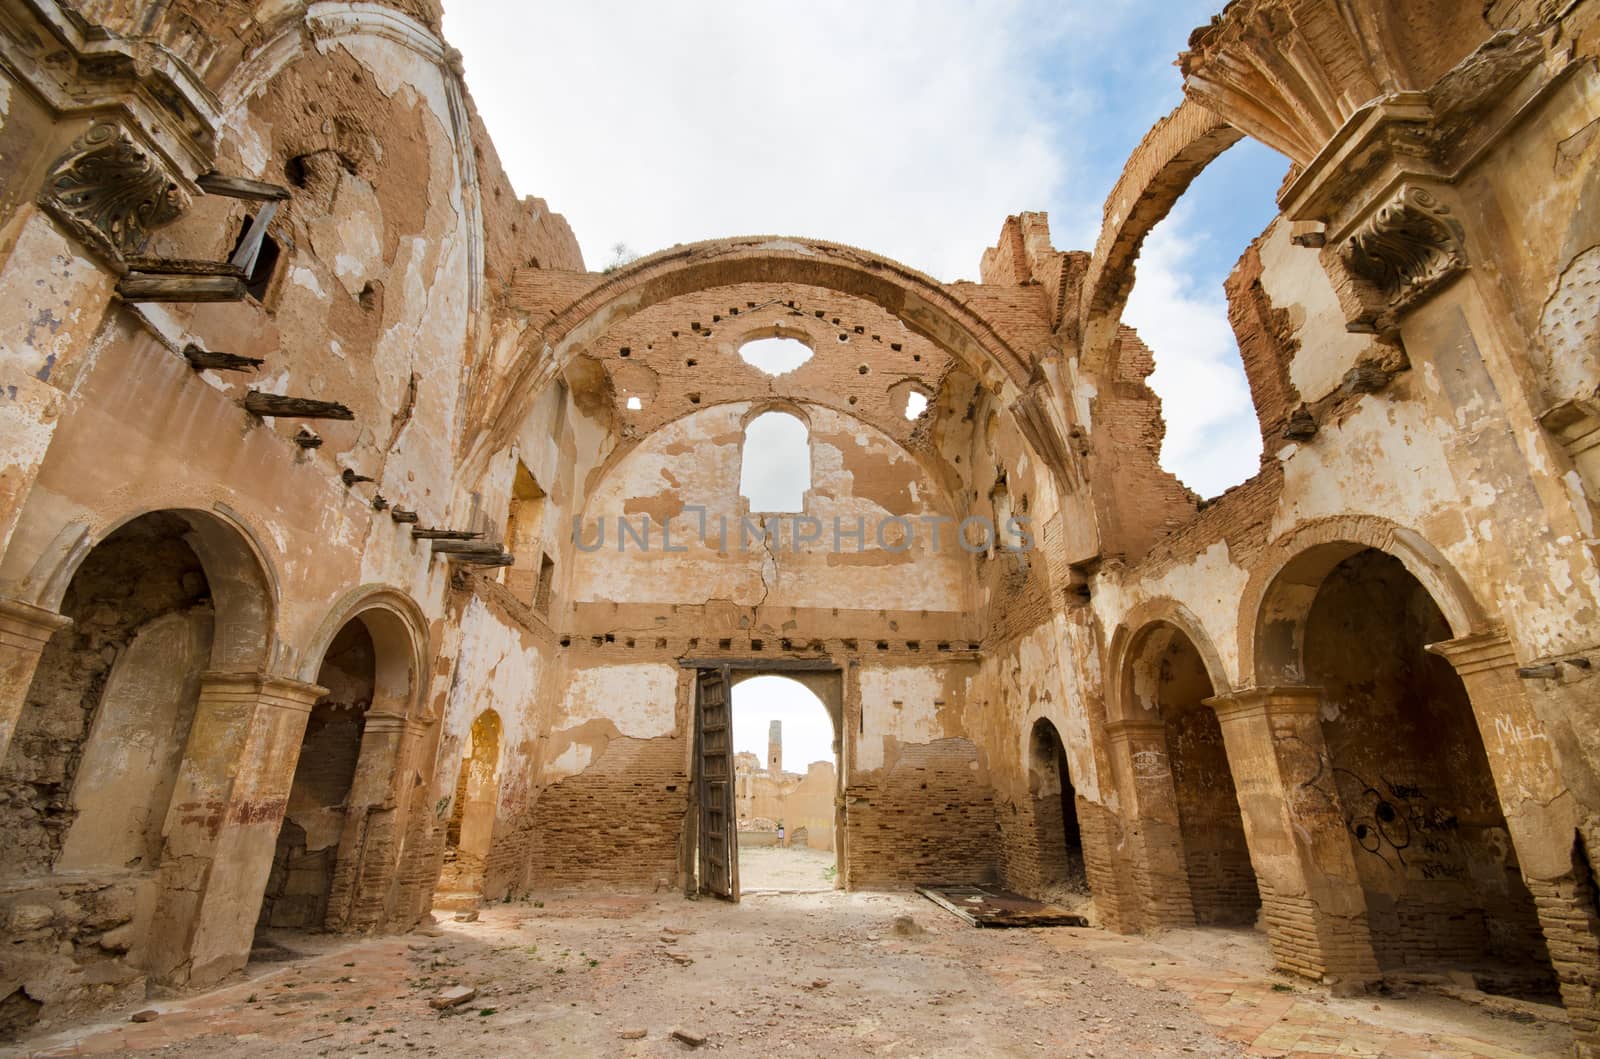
[
  {"x": 1266, "y": 344},
  {"x": 926, "y": 817},
  {"x": 640, "y": 788}
]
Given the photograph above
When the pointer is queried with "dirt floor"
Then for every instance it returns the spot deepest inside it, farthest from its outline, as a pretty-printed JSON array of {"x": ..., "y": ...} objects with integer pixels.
[
  {"x": 793, "y": 868},
  {"x": 832, "y": 974}
]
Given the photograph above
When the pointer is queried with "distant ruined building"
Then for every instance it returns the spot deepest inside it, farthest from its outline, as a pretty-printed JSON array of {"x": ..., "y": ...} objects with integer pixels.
[{"x": 299, "y": 403}]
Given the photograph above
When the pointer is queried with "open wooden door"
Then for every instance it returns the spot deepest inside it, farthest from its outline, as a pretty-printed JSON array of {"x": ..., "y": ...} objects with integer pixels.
[{"x": 719, "y": 837}]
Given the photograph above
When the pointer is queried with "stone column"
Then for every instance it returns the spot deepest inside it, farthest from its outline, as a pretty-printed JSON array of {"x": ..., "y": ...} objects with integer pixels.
[
  {"x": 1144, "y": 776},
  {"x": 1542, "y": 816},
  {"x": 223, "y": 820},
  {"x": 1299, "y": 841},
  {"x": 24, "y": 630}
]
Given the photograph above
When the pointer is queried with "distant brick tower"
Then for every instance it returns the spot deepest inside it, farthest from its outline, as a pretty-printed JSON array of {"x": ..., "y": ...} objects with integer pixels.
[{"x": 775, "y": 747}]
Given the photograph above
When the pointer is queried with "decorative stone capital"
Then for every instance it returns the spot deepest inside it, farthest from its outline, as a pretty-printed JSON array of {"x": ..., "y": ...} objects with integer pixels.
[
  {"x": 110, "y": 193},
  {"x": 1409, "y": 248},
  {"x": 26, "y": 627},
  {"x": 272, "y": 691},
  {"x": 1267, "y": 703},
  {"x": 1575, "y": 423},
  {"x": 1478, "y": 653}
]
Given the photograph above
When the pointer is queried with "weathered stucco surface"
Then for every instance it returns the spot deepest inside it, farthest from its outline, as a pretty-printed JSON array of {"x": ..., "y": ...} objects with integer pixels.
[{"x": 244, "y": 682}]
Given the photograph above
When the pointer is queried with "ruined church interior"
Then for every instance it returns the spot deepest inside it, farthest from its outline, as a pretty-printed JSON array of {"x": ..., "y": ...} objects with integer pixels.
[{"x": 382, "y": 585}]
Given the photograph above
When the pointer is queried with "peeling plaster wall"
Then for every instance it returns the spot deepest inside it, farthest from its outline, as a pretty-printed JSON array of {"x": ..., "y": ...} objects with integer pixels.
[
  {"x": 377, "y": 301},
  {"x": 857, "y": 474}
]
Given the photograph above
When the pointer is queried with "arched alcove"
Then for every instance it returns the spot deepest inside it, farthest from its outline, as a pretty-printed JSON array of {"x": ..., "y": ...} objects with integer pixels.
[
  {"x": 1058, "y": 840},
  {"x": 1408, "y": 767},
  {"x": 470, "y": 832}
]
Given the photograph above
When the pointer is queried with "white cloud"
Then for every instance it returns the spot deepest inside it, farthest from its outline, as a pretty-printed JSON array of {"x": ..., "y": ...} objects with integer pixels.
[
  {"x": 909, "y": 128},
  {"x": 1213, "y": 440},
  {"x": 905, "y": 127}
]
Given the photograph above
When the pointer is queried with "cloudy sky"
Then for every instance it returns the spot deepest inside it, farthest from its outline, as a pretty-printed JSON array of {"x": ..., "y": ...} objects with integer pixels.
[{"x": 909, "y": 128}]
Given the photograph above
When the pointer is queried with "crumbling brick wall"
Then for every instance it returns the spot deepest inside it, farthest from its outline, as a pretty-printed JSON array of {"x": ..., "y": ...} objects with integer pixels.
[
  {"x": 927, "y": 816},
  {"x": 617, "y": 823}
]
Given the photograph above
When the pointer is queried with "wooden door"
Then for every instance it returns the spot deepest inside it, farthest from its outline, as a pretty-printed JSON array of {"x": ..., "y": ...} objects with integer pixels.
[{"x": 719, "y": 838}]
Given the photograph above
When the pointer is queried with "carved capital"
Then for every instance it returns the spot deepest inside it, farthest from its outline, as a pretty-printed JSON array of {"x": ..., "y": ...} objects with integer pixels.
[
  {"x": 110, "y": 193},
  {"x": 1402, "y": 254}
]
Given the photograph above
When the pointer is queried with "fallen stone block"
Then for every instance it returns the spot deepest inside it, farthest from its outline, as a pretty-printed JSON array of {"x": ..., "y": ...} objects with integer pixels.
[
  {"x": 147, "y": 1015},
  {"x": 689, "y": 1037},
  {"x": 633, "y": 1035},
  {"x": 455, "y": 996}
]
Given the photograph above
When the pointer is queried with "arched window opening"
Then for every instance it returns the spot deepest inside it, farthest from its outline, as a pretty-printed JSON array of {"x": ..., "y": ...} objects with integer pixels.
[
  {"x": 1180, "y": 310},
  {"x": 776, "y": 469},
  {"x": 526, "y": 539},
  {"x": 785, "y": 782},
  {"x": 775, "y": 356}
]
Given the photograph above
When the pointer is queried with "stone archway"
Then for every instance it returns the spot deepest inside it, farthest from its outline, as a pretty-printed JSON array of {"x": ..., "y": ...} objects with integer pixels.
[
  {"x": 1192, "y": 857},
  {"x": 1379, "y": 796},
  {"x": 336, "y": 854},
  {"x": 1407, "y": 764},
  {"x": 107, "y": 716}
]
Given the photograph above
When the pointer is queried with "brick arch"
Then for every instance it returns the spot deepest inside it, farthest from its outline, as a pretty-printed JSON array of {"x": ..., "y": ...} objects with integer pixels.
[
  {"x": 1134, "y": 631},
  {"x": 1284, "y": 583},
  {"x": 1160, "y": 170},
  {"x": 922, "y": 303}
]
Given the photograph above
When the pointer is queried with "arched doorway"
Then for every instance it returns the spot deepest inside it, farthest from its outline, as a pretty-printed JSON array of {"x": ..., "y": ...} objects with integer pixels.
[
  {"x": 303, "y": 864},
  {"x": 337, "y": 859},
  {"x": 1057, "y": 839},
  {"x": 1407, "y": 765},
  {"x": 1188, "y": 807},
  {"x": 472, "y": 814},
  {"x": 786, "y": 781}
]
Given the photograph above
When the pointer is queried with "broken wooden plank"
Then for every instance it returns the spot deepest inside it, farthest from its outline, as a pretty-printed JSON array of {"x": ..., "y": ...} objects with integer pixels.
[
  {"x": 351, "y": 477},
  {"x": 201, "y": 359},
  {"x": 475, "y": 554},
  {"x": 444, "y": 547},
  {"x": 986, "y": 906},
  {"x": 215, "y": 183},
  {"x": 400, "y": 514},
  {"x": 422, "y": 533},
  {"x": 140, "y": 286},
  {"x": 249, "y": 250},
  {"x": 272, "y": 404}
]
